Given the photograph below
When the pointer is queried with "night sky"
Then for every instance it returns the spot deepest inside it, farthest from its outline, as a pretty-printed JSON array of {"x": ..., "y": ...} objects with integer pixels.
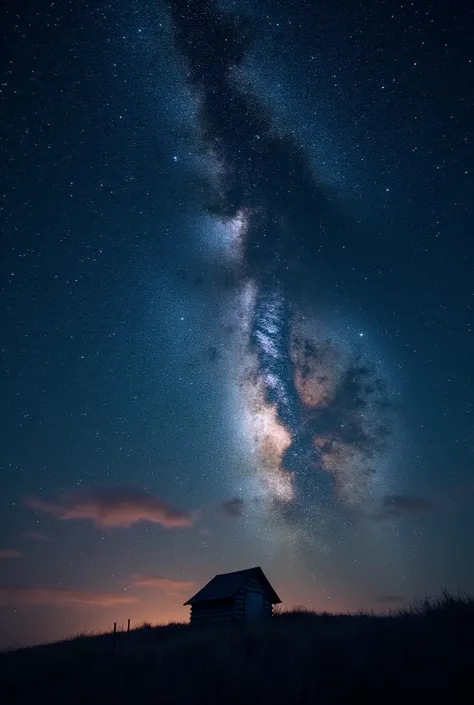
[{"x": 237, "y": 305}]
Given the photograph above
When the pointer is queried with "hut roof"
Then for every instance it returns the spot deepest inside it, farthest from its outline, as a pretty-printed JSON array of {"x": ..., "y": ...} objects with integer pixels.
[{"x": 227, "y": 584}]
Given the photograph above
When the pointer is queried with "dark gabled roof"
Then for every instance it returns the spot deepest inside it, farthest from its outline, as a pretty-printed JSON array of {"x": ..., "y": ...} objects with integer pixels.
[{"x": 226, "y": 585}]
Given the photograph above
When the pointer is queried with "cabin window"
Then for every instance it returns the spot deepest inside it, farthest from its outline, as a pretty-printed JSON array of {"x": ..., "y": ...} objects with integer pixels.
[{"x": 253, "y": 605}]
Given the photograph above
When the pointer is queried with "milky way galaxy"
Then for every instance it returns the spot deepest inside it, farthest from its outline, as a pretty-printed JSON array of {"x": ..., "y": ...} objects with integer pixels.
[{"x": 316, "y": 412}]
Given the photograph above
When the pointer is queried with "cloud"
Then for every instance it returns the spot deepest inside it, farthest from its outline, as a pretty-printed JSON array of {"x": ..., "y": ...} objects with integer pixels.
[
  {"x": 397, "y": 506},
  {"x": 168, "y": 585},
  {"x": 233, "y": 507},
  {"x": 35, "y": 536},
  {"x": 60, "y": 597},
  {"x": 113, "y": 507},
  {"x": 10, "y": 553}
]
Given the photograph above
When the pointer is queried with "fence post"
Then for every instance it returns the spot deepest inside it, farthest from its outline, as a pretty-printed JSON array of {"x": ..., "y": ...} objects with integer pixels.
[{"x": 114, "y": 637}]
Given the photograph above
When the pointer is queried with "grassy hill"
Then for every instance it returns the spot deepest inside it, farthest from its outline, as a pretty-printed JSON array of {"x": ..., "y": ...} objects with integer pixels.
[{"x": 421, "y": 654}]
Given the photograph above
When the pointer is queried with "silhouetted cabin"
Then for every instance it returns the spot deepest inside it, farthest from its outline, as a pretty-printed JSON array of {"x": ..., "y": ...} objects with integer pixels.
[{"x": 241, "y": 596}]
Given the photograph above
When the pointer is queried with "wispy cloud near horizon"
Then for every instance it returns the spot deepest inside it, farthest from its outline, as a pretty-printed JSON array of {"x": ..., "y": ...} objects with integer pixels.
[
  {"x": 233, "y": 507},
  {"x": 112, "y": 507},
  {"x": 397, "y": 506},
  {"x": 168, "y": 585},
  {"x": 60, "y": 597},
  {"x": 6, "y": 553},
  {"x": 35, "y": 536}
]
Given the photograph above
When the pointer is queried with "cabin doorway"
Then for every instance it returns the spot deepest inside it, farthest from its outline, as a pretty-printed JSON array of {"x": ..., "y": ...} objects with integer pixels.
[{"x": 253, "y": 605}]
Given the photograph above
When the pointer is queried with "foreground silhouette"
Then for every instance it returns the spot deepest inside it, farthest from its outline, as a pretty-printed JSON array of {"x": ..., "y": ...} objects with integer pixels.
[{"x": 424, "y": 653}]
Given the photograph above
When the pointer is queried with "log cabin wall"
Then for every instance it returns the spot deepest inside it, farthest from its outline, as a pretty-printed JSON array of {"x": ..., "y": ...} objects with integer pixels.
[
  {"x": 217, "y": 611},
  {"x": 252, "y": 585}
]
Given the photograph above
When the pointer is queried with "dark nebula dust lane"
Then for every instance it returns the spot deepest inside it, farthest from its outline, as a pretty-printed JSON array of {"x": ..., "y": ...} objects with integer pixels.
[{"x": 263, "y": 173}]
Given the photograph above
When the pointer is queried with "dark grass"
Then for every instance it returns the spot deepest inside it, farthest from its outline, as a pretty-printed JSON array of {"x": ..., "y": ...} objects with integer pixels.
[{"x": 424, "y": 653}]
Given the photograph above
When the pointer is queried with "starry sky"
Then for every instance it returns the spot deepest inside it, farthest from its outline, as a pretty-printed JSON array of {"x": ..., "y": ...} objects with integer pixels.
[{"x": 237, "y": 305}]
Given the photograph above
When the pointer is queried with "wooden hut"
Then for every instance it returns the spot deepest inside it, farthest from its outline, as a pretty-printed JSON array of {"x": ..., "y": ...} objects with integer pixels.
[{"x": 241, "y": 596}]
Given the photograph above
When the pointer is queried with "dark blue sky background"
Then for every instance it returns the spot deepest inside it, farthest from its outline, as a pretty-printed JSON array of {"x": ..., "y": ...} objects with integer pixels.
[{"x": 225, "y": 346}]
